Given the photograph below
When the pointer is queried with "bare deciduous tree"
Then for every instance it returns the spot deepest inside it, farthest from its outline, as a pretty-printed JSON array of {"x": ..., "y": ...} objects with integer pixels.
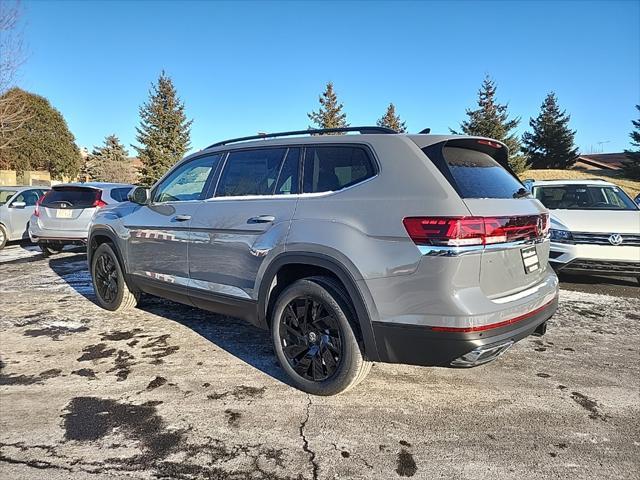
[{"x": 13, "y": 113}]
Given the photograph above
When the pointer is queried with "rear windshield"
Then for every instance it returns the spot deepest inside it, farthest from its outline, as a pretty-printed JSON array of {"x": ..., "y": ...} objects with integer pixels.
[
  {"x": 76, "y": 197},
  {"x": 583, "y": 197},
  {"x": 5, "y": 195},
  {"x": 474, "y": 174}
]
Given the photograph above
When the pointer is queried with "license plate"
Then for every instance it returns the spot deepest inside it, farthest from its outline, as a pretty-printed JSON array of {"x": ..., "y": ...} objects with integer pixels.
[
  {"x": 530, "y": 259},
  {"x": 64, "y": 213}
]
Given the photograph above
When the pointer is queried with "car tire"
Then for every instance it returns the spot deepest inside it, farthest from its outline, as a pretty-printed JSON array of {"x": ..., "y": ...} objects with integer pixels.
[
  {"x": 48, "y": 250},
  {"x": 3, "y": 237},
  {"x": 109, "y": 285},
  {"x": 315, "y": 337}
]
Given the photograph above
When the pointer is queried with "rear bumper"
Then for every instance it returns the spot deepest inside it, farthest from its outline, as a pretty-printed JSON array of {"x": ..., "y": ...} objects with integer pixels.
[
  {"x": 421, "y": 345},
  {"x": 38, "y": 234}
]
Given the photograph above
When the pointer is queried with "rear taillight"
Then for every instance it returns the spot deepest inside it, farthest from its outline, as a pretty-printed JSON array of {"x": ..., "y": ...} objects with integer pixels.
[
  {"x": 463, "y": 231},
  {"x": 98, "y": 202},
  {"x": 36, "y": 212}
]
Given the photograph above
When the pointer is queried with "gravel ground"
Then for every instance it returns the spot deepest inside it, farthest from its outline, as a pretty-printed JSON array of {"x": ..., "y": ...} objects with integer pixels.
[{"x": 168, "y": 391}]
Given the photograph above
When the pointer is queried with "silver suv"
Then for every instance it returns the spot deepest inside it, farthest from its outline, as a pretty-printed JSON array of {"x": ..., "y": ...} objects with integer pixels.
[
  {"x": 63, "y": 215},
  {"x": 16, "y": 207},
  {"x": 350, "y": 249}
]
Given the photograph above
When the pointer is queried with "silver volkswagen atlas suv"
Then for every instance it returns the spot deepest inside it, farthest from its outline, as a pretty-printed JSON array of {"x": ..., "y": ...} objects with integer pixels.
[{"x": 350, "y": 249}]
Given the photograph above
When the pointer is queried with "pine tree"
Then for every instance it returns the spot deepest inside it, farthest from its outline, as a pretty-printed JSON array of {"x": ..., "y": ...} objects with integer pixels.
[
  {"x": 330, "y": 114},
  {"x": 632, "y": 167},
  {"x": 391, "y": 120},
  {"x": 110, "y": 163},
  {"x": 164, "y": 131},
  {"x": 550, "y": 144},
  {"x": 43, "y": 141},
  {"x": 491, "y": 120}
]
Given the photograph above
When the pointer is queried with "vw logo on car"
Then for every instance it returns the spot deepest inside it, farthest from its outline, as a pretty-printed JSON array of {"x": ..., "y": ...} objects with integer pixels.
[{"x": 615, "y": 239}]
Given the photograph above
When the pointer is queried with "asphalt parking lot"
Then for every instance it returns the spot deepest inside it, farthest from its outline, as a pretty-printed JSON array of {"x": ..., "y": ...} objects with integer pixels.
[{"x": 168, "y": 391}]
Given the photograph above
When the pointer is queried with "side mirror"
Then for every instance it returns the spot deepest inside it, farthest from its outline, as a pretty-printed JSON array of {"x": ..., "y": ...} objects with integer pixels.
[
  {"x": 18, "y": 205},
  {"x": 139, "y": 195}
]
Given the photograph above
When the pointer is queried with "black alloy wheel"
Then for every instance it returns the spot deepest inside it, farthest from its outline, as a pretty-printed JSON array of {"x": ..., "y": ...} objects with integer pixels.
[
  {"x": 311, "y": 339},
  {"x": 106, "y": 278}
]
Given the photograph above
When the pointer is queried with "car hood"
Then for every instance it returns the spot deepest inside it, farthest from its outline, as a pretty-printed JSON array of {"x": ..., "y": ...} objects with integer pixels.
[{"x": 596, "y": 221}]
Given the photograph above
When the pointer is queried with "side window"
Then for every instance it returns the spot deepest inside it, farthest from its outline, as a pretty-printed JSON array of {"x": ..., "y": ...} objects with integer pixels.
[
  {"x": 29, "y": 197},
  {"x": 332, "y": 168},
  {"x": 120, "y": 194},
  {"x": 288, "y": 179},
  {"x": 250, "y": 172},
  {"x": 188, "y": 181}
]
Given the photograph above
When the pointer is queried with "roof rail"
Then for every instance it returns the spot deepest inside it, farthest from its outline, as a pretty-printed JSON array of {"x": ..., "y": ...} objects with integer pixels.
[{"x": 319, "y": 131}]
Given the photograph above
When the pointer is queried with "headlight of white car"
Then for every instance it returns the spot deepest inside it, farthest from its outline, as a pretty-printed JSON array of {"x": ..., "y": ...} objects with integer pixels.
[{"x": 562, "y": 236}]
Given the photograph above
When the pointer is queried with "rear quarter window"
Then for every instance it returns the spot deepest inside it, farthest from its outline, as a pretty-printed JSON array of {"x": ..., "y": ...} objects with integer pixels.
[
  {"x": 120, "y": 194},
  {"x": 474, "y": 173},
  {"x": 333, "y": 168}
]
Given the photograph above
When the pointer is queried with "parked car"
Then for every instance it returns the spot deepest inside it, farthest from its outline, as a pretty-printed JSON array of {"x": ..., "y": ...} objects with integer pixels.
[
  {"x": 415, "y": 249},
  {"x": 16, "y": 207},
  {"x": 62, "y": 216},
  {"x": 595, "y": 227}
]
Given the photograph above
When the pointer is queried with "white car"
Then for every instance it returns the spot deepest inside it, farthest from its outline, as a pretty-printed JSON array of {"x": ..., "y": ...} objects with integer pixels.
[{"x": 595, "y": 227}]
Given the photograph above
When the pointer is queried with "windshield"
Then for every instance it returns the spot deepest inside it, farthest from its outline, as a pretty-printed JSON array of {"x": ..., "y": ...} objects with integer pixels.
[
  {"x": 5, "y": 195},
  {"x": 583, "y": 197}
]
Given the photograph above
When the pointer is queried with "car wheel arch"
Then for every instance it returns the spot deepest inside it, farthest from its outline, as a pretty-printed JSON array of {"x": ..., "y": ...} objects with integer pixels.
[
  {"x": 104, "y": 235},
  {"x": 315, "y": 264}
]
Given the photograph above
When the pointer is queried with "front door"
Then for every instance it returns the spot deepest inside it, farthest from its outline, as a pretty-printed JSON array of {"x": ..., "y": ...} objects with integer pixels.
[
  {"x": 159, "y": 232},
  {"x": 246, "y": 220},
  {"x": 20, "y": 216}
]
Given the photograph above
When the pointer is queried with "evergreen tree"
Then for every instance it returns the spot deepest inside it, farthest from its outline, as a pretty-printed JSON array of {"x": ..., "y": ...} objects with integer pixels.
[
  {"x": 392, "y": 120},
  {"x": 110, "y": 163},
  {"x": 632, "y": 167},
  {"x": 550, "y": 144},
  {"x": 43, "y": 140},
  {"x": 330, "y": 114},
  {"x": 164, "y": 131},
  {"x": 491, "y": 120}
]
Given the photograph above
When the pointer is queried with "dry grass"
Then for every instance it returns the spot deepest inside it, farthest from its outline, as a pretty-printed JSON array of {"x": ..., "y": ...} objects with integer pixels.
[{"x": 632, "y": 187}]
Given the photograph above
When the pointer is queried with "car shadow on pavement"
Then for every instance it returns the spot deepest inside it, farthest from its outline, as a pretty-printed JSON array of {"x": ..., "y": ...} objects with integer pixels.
[
  {"x": 250, "y": 344},
  {"x": 23, "y": 253},
  {"x": 247, "y": 342}
]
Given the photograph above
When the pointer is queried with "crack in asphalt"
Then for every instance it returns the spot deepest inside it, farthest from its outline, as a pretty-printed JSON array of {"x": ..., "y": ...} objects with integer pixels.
[{"x": 305, "y": 442}]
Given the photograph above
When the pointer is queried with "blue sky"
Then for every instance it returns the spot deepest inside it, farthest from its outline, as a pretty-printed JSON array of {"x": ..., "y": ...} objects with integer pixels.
[{"x": 259, "y": 66}]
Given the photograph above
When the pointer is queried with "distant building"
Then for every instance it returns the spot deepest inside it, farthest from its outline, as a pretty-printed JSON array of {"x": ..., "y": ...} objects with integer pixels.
[{"x": 601, "y": 161}]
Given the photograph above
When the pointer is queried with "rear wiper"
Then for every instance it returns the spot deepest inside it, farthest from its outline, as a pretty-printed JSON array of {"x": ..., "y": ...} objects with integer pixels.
[{"x": 521, "y": 193}]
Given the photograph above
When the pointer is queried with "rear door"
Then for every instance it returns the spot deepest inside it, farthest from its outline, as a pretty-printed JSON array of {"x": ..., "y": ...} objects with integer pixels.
[
  {"x": 248, "y": 217},
  {"x": 478, "y": 170},
  {"x": 68, "y": 208}
]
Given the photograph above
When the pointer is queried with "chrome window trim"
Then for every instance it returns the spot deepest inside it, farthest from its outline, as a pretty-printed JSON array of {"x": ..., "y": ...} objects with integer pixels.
[{"x": 458, "y": 251}]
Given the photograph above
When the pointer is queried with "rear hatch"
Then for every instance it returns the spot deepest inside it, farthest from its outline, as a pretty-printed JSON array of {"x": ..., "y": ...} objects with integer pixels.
[
  {"x": 478, "y": 170},
  {"x": 69, "y": 207}
]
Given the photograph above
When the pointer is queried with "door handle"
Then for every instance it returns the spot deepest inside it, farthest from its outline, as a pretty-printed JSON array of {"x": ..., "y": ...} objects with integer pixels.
[
  {"x": 181, "y": 218},
  {"x": 262, "y": 219}
]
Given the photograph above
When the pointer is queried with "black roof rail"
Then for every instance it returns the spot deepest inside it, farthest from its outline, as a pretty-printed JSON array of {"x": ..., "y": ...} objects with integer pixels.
[{"x": 319, "y": 131}]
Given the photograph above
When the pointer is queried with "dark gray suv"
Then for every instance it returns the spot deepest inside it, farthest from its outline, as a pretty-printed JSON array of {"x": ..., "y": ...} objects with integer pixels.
[{"x": 350, "y": 249}]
